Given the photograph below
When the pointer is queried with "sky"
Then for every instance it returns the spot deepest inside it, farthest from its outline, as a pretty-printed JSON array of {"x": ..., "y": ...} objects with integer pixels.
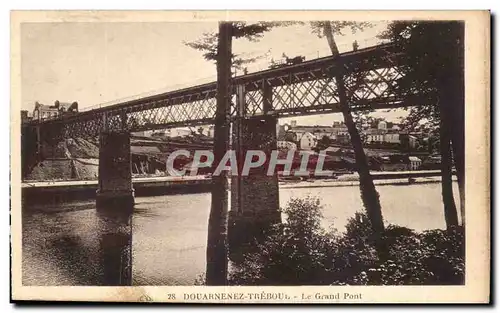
[{"x": 98, "y": 63}]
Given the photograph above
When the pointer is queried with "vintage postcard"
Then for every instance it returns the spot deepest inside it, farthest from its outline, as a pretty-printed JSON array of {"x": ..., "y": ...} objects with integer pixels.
[{"x": 250, "y": 156}]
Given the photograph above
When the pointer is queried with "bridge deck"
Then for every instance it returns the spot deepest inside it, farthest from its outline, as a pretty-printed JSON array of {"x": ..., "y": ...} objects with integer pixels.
[{"x": 370, "y": 78}]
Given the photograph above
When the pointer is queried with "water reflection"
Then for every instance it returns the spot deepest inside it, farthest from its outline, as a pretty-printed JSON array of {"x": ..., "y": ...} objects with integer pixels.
[
  {"x": 73, "y": 244},
  {"x": 115, "y": 245}
]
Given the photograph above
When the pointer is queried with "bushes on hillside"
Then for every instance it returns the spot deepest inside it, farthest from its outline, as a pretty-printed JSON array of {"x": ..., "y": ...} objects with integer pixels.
[{"x": 301, "y": 252}]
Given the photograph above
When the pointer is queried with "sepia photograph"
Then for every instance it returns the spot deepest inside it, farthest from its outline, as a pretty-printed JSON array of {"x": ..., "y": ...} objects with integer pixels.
[{"x": 250, "y": 157}]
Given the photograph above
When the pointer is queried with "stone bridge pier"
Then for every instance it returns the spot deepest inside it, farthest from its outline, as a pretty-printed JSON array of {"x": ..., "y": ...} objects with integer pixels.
[
  {"x": 115, "y": 191},
  {"x": 254, "y": 197}
]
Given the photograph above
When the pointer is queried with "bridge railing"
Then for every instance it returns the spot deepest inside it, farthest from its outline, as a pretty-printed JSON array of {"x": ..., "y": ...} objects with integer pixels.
[
  {"x": 308, "y": 84},
  {"x": 255, "y": 67}
]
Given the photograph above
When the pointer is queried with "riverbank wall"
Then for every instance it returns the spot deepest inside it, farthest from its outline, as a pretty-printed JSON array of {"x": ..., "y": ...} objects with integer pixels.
[{"x": 66, "y": 191}]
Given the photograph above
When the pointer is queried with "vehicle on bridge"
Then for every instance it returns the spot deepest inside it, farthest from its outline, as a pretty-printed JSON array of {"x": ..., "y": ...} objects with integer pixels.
[{"x": 286, "y": 61}]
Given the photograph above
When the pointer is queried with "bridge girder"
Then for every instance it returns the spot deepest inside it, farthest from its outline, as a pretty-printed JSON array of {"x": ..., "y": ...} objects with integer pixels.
[{"x": 370, "y": 77}]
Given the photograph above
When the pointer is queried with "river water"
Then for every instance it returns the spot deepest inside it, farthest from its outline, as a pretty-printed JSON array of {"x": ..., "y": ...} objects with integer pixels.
[{"x": 60, "y": 242}]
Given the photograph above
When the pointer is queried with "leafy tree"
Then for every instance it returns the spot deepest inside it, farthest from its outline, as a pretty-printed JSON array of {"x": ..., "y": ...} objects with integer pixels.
[
  {"x": 369, "y": 194},
  {"x": 300, "y": 253},
  {"x": 323, "y": 143},
  {"x": 291, "y": 136},
  {"x": 218, "y": 48},
  {"x": 432, "y": 64},
  {"x": 304, "y": 253},
  {"x": 240, "y": 30},
  {"x": 327, "y": 28}
]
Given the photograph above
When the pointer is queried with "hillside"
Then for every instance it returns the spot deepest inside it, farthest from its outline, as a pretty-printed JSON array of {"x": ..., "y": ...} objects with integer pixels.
[
  {"x": 78, "y": 158},
  {"x": 73, "y": 158}
]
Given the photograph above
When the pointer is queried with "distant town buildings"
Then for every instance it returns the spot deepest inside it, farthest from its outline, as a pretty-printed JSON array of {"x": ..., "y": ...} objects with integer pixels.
[
  {"x": 25, "y": 117},
  {"x": 377, "y": 134},
  {"x": 307, "y": 137},
  {"x": 204, "y": 132},
  {"x": 389, "y": 134},
  {"x": 307, "y": 141},
  {"x": 288, "y": 145},
  {"x": 172, "y": 132},
  {"x": 415, "y": 163}
]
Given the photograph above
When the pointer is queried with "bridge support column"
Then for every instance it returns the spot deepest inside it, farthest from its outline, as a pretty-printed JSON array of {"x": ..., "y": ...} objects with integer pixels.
[
  {"x": 254, "y": 198},
  {"x": 115, "y": 176}
]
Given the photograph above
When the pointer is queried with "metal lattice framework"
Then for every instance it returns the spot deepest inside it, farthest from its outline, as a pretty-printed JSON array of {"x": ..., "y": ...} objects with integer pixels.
[{"x": 369, "y": 75}]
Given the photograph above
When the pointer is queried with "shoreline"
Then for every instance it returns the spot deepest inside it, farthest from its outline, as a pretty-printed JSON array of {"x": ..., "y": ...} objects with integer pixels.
[
  {"x": 347, "y": 183},
  {"x": 67, "y": 191}
]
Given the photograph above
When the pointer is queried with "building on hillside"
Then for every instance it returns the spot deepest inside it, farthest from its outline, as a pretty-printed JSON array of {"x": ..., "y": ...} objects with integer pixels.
[
  {"x": 340, "y": 129},
  {"x": 180, "y": 132},
  {"x": 343, "y": 139},
  {"x": 319, "y": 131},
  {"x": 25, "y": 116},
  {"x": 307, "y": 141},
  {"x": 66, "y": 107},
  {"x": 144, "y": 133},
  {"x": 401, "y": 138},
  {"x": 172, "y": 132},
  {"x": 210, "y": 131},
  {"x": 283, "y": 144},
  {"x": 42, "y": 111},
  {"x": 415, "y": 163},
  {"x": 375, "y": 135},
  {"x": 390, "y": 137},
  {"x": 393, "y": 163},
  {"x": 432, "y": 162},
  {"x": 334, "y": 151}
]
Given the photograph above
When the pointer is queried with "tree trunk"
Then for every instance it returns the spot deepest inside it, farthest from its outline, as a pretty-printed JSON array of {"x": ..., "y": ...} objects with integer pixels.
[
  {"x": 217, "y": 224},
  {"x": 457, "y": 92},
  {"x": 450, "y": 209},
  {"x": 369, "y": 194},
  {"x": 458, "y": 147},
  {"x": 452, "y": 110}
]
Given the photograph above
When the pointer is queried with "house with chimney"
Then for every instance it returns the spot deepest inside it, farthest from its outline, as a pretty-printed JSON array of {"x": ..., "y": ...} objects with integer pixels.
[
  {"x": 390, "y": 134},
  {"x": 43, "y": 112},
  {"x": 307, "y": 136}
]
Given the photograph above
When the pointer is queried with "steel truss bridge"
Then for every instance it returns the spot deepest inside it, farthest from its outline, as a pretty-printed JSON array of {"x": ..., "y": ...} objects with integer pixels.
[{"x": 370, "y": 79}]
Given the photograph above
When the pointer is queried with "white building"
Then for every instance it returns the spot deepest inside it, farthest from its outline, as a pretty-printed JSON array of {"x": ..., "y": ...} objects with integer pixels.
[
  {"x": 320, "y": 131},
  {"x": 397, "y": 138},
  {"x": 144, "y": 133},
  {"x": 172, "y": 132},
  {"x": 415, "y": 163},
  {"x": 394, "y": 138},
  {"x": 412, "y": 141},
  {"x": 307, "y": 141},
  {"x": 375, "y": 135}
]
